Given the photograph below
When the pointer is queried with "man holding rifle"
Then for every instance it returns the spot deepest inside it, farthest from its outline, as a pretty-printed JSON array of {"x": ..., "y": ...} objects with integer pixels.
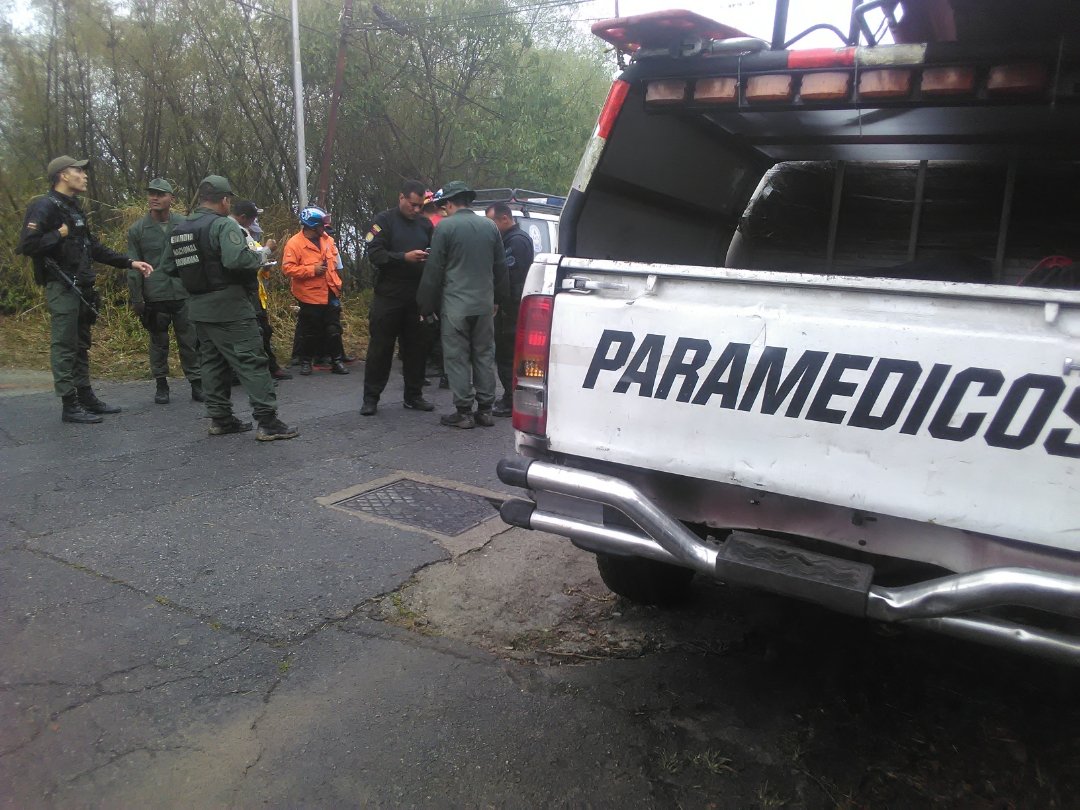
[{"x": 57, "y": 238}]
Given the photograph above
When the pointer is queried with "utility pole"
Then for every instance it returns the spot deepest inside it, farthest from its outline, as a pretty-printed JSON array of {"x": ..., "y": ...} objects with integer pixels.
[
  {"x": 335, "y": 101},
  {"x": 298, "y": 93}
]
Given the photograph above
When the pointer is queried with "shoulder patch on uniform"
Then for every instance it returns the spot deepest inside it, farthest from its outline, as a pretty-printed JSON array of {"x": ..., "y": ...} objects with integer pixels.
[
  {"x": 32, "y": 226},
  {"x": 235, "y": 237}
]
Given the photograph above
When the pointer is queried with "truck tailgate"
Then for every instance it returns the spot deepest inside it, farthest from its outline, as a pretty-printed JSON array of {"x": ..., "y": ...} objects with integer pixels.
[{"x": 948, "y": 403}]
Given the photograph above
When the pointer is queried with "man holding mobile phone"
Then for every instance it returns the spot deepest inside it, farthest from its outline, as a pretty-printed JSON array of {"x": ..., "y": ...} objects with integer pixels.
[{"x": 397, "y": 245}]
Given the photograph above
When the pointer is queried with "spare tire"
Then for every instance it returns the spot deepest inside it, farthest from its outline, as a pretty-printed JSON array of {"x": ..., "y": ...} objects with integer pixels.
[{"x": 644, "y": 581}]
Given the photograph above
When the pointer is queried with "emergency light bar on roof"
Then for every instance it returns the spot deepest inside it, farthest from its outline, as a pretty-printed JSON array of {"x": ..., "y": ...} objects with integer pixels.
[
  {"x": 661, "y": 29},
  {"x": 536, "y": 200}
]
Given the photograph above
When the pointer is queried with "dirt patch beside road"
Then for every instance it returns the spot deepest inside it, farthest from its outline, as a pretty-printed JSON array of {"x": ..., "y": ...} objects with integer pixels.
[
  {"x": 747, "y": 700},
  {"x": 533, "y": 597}
]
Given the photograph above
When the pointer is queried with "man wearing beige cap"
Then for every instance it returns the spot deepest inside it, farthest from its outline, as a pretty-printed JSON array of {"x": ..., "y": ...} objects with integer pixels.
[
  {"x": 160, "y": 299},
  {"x": 57, "y": 238}
]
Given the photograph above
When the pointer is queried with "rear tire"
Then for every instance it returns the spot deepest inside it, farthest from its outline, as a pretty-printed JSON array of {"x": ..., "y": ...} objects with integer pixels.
[{"x": 644, "y": 581}]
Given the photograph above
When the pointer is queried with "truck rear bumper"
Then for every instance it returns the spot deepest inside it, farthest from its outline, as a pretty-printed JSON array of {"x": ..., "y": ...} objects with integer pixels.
[{"x": 949, "y": 604}]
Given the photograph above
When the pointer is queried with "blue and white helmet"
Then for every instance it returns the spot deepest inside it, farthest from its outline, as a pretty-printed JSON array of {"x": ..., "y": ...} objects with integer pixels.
[{"x": 312, "y": 217}]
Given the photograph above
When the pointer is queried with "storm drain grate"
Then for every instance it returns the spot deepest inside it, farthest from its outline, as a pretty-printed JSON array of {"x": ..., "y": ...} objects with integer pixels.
[{"x": 427, "y": 506}]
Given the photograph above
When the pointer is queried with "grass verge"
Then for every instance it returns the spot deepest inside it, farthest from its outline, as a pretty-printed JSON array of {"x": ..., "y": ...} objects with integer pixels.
[{"x": 120, "y": 344}]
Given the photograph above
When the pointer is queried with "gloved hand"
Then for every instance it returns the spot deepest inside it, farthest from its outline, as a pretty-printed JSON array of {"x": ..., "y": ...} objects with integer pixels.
[{"x": 139, "y": 307}]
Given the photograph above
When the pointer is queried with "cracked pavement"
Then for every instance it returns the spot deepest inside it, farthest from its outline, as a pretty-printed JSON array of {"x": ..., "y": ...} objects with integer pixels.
[{"x": 182, "y": 624}]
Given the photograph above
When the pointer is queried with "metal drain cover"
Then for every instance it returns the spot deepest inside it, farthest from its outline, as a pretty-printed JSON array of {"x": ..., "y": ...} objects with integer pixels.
[{"x": 426, "y": 506}]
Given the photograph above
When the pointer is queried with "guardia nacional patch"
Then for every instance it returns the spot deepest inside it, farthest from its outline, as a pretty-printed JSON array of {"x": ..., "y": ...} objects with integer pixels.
[
  {"x": 236, "y": 238},
  {"x": 371, "y": 234}
]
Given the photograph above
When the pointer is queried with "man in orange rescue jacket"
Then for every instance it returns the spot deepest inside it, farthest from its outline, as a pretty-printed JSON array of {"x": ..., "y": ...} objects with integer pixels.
[{"x": 310, "y": 262}]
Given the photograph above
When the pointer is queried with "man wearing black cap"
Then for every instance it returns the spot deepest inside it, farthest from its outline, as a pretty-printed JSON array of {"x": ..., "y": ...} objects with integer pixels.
[
  {"x": 55, "y": 235},
  {"x": 211, "y": 257},
  {"x": 161, "y": 300},
  {"x": 466, "y": 271}
]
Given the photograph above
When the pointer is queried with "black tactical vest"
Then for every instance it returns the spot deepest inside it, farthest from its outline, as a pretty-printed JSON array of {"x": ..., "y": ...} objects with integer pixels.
[{"x": 199, "y": 269}]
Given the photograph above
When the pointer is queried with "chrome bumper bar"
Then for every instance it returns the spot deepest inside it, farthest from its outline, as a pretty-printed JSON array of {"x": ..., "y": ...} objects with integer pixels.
[{"x": 769, "y": 564}]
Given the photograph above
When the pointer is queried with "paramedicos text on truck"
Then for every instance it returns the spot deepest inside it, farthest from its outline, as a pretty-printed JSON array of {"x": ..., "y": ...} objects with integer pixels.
[{"x": 814, "y": 321}]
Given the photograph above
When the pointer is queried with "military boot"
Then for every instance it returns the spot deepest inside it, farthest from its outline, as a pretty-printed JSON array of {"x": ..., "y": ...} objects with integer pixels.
[
  {"x": 161, "y": 395},
  {"x": 197, "y": 394},
  {"x": 459, "y": 419},
  {"x": 273, "y": 428},
  {"x": 305, "y": 367},
  {"x": 484, "y": 418},
  {"x": 337, "y": 366},
  {"x": 224, "y": 425},
  {"x": 74, "y": 412},
  {"x": 88, "y": 399}
]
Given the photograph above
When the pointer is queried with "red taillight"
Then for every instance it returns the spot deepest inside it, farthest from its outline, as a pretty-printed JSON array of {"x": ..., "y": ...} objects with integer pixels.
[
  {"x": 615, "y": 98},
  {"x": 531, "y": 349}
]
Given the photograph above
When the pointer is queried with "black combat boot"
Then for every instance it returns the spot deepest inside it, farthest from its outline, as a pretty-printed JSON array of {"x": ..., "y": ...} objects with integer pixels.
[
  {"x": 337, "y": 366},
  {"x": 369, "y": 407},
  {"x": 305, "y": 367},
  {"x": 161, "y": 395},
  {"x": 273, "y": 428},
  {"x": 88, "y": 399},
  {"x": 74, "y": 412},
  {"x": 483, "y": 417},
  {"x": 197, "y": 394},
  {"x": 418, "y": 404},
  {"x": 504, "y": 406},
  {"x": 459, "y": 419}
]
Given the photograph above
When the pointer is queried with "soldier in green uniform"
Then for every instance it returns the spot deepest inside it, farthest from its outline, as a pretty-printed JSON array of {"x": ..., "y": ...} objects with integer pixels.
[
  {"x": 160, "y": 299},
  {"x": 57, "y": 238},
  {"x": 466, "y": 271},
  {"x": 210, "y": 256}
]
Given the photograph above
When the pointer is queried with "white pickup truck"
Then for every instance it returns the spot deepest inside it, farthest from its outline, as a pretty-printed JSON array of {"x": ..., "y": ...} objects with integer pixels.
[{"x": 814, "y": 326}]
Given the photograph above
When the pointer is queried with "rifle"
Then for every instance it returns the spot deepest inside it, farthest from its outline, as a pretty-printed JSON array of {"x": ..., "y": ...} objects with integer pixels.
[{"x": 54, "y": 265}]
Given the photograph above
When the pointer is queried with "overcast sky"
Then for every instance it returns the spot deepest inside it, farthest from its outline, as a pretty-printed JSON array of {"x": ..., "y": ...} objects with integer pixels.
[{"x": 755, "y": 17}]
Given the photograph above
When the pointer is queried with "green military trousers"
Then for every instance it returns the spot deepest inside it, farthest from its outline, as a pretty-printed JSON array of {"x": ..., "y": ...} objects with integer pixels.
[
  {"x": 69, "y": 323},
  {"x": 469, "y": 359},
  {"x": 235, "y": 346},
  {"x": 175, "y": 313}
]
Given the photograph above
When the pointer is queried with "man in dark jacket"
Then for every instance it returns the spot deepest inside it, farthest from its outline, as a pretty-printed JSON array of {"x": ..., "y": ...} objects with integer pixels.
[
  {"x": 466, "y": 272},
  {"x": 56, "y": 236},
  {"x": 397, "y": 246},
  {"x": 519, "y": 258}
]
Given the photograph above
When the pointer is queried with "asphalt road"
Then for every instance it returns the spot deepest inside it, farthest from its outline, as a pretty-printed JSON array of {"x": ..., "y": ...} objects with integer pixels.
[{"x": 184, "y": 624}]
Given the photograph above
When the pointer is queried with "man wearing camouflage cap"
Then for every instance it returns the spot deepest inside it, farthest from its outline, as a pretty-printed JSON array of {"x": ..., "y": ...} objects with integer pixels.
[
  {"x": 466, "y": 271},
  {"x": 211, "y": 257},
  {"x": 160, "y": 300},
  {"x": 57, "y": 238}
]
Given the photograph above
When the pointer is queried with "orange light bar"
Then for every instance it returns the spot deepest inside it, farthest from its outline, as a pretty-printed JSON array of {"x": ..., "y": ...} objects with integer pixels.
[
  {"x": 717, "y": 91},
  {"x": 821, "y": 58},
  {"x": 831, "y": 86},
  {"x": 1021, "y": 78},
  {"x": 773, "y": 87},
  {"x": 884, "y": 83},
  {"x": 945, "y": 81},
  {"x": 667, "y": 91}
]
